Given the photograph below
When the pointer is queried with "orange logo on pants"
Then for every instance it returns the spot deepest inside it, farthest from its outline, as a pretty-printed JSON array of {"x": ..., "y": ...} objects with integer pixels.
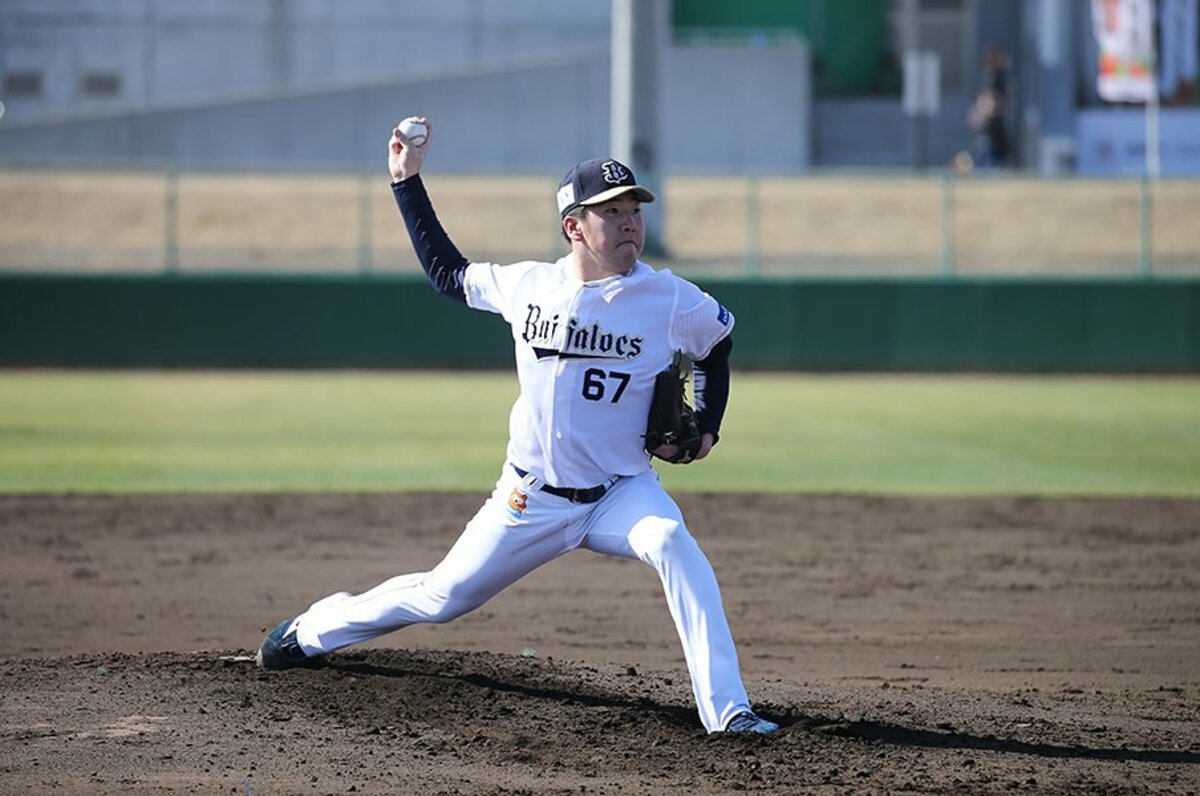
[{"x": 518, "y": 501}]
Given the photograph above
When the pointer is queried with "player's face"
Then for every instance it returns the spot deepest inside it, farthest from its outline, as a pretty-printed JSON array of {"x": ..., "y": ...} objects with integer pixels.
[{"x": 614, "y": 231}]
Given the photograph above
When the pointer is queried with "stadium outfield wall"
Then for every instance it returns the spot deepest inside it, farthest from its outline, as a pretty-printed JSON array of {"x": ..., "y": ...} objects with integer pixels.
[{"x": 1064, "y": 325}]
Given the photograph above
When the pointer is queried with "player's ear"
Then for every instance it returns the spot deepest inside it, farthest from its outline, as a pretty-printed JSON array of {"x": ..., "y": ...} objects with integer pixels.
[{"x": 571, "y": 228}]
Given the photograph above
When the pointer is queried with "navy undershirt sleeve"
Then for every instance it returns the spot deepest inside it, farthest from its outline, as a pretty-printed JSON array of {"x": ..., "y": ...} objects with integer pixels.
[
  {"x": 444, "y": 264},
  {"x": 710, "y": 380}
]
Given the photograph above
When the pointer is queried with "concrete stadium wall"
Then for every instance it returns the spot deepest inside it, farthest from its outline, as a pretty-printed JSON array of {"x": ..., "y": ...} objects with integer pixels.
[
  {"x": 877, "y": 325},
  {"x": 525, "y": 117},
  {"x": 538, "y": 113},
  {"x": 874, "y": 132},
  {"x": 167, "y": 50}
]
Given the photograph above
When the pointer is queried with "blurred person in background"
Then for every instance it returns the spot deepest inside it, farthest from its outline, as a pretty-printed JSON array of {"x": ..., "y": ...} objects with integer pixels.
[{"x": 987, "y": 116}]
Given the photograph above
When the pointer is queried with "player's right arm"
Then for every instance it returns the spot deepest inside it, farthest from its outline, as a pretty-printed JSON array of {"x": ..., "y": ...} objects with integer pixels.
[{"x": 444, "y": 264}]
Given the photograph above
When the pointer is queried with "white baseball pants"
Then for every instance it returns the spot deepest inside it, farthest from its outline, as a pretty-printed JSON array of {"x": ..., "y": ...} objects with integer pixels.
[{"x": 635, "y": 519}]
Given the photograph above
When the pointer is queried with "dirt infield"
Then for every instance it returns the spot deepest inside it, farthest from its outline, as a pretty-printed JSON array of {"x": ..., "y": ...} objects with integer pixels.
[{"x": 907, "y": 645}]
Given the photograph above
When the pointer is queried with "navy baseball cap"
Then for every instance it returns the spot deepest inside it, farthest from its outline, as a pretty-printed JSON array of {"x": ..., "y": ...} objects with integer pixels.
[{"x": 594, "y": 181}]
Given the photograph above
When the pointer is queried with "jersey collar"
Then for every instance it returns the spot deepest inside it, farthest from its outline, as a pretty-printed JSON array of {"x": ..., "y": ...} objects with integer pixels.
[{"x": 639, "y": 271}]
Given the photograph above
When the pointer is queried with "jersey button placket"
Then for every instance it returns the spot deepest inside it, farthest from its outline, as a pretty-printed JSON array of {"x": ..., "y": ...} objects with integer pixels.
[
  {"x": 563, "y": 385},
  {"x": 564, "y": 381}
]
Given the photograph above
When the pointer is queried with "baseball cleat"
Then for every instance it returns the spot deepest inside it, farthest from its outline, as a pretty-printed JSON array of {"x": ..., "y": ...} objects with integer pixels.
[
  {"x": 747, "y": 721},
  {"x": 280, "y": 650}
]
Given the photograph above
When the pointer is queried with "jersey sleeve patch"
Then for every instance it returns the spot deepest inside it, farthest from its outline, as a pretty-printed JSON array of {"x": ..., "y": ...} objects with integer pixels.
[{"x": 723, "y": 316}]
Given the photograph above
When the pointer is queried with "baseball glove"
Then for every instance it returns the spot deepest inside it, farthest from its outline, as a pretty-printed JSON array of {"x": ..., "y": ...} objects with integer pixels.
[{"x": 672, "y": 421}]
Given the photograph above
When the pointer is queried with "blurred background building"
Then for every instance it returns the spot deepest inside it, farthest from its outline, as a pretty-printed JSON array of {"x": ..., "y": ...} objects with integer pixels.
[{"x": 777, "y": 86}]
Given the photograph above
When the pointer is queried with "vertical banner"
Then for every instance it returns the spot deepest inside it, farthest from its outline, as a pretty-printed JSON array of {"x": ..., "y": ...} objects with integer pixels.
[{"x": 1125, "y": 35}]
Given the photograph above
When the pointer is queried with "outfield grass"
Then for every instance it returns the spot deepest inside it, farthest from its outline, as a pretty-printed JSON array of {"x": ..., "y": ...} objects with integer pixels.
[{"x": 952, "y": 435}]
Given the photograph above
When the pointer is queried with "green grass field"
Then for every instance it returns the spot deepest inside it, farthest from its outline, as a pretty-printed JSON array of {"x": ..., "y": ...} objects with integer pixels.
[{"x": 338, "y": 431}]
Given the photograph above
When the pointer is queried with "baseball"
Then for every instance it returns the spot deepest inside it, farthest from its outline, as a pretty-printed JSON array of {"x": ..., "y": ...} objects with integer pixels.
[{"x": 413, "y": 132}]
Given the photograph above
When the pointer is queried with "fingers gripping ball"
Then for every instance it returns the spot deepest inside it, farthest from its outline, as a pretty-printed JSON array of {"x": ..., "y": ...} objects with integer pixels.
[
  {"x": 413, "y": 132},
  {"x": 672, "y": 421}
]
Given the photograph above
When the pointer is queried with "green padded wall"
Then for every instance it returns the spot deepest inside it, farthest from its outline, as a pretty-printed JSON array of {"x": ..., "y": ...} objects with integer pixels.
[{"x": 876, "y": 324}]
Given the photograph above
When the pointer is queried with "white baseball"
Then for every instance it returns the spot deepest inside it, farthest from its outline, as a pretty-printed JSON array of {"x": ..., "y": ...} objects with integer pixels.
[{"x": 413, "y": 132}]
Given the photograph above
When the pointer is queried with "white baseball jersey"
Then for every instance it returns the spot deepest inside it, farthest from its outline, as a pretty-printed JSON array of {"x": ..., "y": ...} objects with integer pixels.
[{"x": 587, "y": 355}]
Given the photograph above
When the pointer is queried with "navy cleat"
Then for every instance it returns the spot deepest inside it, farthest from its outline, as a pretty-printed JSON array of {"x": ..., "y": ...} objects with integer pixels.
[
  {"x": 280, "y": 650},
  {"x": 747, "y": 721}
]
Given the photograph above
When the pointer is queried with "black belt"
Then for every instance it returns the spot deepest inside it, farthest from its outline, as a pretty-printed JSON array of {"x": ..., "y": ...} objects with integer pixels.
[{"x": 589, "y": 495}]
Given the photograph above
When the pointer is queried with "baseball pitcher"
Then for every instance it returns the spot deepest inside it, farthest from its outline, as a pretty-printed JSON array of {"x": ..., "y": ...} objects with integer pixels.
[{"x": 598, "y": 337}]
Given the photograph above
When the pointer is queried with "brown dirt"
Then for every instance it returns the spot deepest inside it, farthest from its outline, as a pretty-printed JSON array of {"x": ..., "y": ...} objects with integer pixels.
[{"x": 907, "y": 645}]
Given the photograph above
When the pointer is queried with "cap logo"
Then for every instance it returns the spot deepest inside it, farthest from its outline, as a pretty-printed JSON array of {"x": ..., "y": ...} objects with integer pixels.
[
  {"x": 614, "y": 172},
  {"x": 566, "y": 197}
]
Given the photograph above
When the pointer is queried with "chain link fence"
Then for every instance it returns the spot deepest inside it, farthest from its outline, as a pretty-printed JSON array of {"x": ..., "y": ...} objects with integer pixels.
[{"x": 828, "y": 225}]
